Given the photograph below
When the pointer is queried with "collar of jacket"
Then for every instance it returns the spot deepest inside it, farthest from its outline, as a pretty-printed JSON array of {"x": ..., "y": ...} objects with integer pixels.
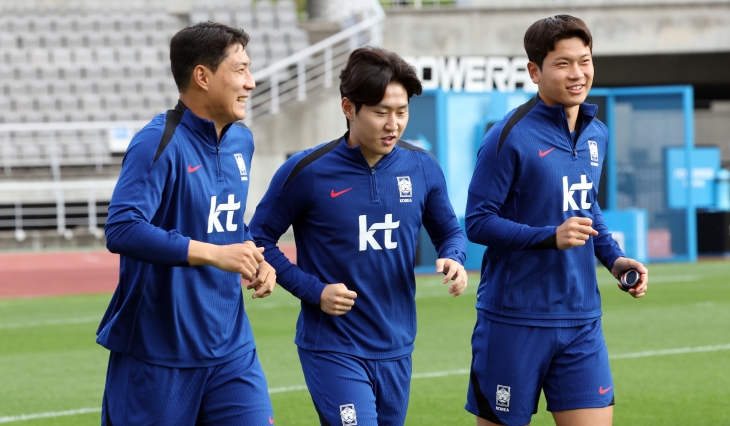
[
  {"x": 202, "y": 128},
  {"x": 586, "y": 111},
  {"x": 355, "y": 154}
]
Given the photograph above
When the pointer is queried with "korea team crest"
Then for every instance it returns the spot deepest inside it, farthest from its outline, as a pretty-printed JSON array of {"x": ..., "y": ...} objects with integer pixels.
[
  {"x": 593, "y": 148},
  {"x": 241, "y": 166},
  {"x": 405, "y": 188},
  {"x": 503, "y": 395},
  {"x": 348, "y": 415}
]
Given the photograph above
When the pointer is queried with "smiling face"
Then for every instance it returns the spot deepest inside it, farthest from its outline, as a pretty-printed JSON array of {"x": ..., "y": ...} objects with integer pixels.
[
  {"x": 229, "y": 87},
  {"x": 377, "y": 128},
  {"x": 566, "y": 75}
]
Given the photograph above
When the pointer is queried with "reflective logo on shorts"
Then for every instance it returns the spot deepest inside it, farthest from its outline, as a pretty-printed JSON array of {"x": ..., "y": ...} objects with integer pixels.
[
  {"x": 503, "y": 393},
  {"x": 348, "y": 415}
]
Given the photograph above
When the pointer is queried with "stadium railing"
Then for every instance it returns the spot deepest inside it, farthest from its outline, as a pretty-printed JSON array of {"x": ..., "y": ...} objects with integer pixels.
[
  {"x": 317, "y": 65},
  {"x": 20, "y": 194},
  {"x": 418, "y": 4}
]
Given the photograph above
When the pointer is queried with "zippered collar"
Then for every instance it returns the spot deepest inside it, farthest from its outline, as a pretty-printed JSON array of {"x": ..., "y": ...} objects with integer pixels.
[
  {"x": 355, "y": 154},
  {"x": 202, "y": 128}
]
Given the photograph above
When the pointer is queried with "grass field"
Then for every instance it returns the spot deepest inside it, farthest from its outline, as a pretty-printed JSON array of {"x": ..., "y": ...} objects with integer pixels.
[{"x": 670, "y": 353}]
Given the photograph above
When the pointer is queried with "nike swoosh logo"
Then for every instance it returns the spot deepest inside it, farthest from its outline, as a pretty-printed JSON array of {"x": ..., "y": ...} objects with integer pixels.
[
  {"x": 542, "y": 154},
  {"x": 334, "y": 194},
  {"x": 602, "y": 391},
  {"x": 192, "y": 169}
]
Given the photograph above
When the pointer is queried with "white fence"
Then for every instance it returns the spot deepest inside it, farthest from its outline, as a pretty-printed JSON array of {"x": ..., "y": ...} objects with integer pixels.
[
  {"x": 25, "y": 196},
  {"x": 316, "y": 66}
]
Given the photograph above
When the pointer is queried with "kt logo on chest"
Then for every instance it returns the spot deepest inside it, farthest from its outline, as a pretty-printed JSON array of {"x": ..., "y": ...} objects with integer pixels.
[
  {"x": 216, "y": 209},
  {"x": 367, "y": 234}
]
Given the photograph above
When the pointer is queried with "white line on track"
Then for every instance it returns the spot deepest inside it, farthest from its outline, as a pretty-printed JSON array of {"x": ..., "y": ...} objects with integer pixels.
[
  {"x": 65, "y": 321},
  {"x": 23, "y": 417},
  {"x": 644, "y": 354},
  {"x": 671, "y": 351}
]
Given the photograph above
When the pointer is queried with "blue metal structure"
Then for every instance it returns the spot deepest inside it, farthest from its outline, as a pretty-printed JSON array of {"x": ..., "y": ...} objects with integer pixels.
[{"x": 643, "y": 122}]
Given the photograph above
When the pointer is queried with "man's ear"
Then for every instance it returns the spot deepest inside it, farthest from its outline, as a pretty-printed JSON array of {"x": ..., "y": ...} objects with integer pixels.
[
  {"x": 348, "y": 108},
  {"x": 201, "y": 77},
  {"x": 534, "y": 71}
]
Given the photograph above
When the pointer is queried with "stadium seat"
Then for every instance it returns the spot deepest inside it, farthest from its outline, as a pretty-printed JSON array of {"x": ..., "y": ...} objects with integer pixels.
[
  {"x": 136, "y": 39},
  {"x": 264, "y": 14},
  {"x": 148, "y": 55},
  {"x": 298, "y": 39},
  {"x": 61, "y": 57},
  {"x": 286, "y": 13},
  {"x": 61, "y": 88},
  {"x": 99, "y": 115},
  {"x": 61, "y": 24},
  {"x": 96, "y": 40},
  {"x": 126, "y": 55},
  {"x": 68, "y": 103},
  {"x": 17, "y": 89},
  {"x": 38, "y": 57},
  {"x": 114, "y": 39},
  {"x": 8, "y": 40},
  {"x": 71, "y": 40},
  {"x": 243, "y": 17},
  {"x": 277, "y": 51},
  {"x": 29, "y": 41},
  {"x": 16, "y": 56},
  {"x": 126, "y": 86},
  {"x": 92, "y": 71},
  {"x": 150, "y": 86},
  {"x": 104, "y": 56},
  {"x": 39, "y": 88},
  {"x": 222, "y": 16},
  {"x": 69, "y": 73},
  {"x": 157, "y": 103},
  {"x": 83, "y": 56},
  {"x": 91, "y": 102},
  {"x": 21, "y": 25},
  {"x": 112, "y": 103}
]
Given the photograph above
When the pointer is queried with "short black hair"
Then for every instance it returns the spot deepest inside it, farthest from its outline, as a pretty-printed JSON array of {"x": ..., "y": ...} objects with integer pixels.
[
  {"x": 541, "y": 37},
  {"x": 368, "y": 72},
  {"x": 204, "y": 43}
]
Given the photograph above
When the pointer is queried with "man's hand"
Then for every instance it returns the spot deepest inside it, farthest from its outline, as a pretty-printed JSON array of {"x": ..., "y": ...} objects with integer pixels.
[
  {"x": 453, "y": 271},
  {"x": 264, "y": 282},
  {"x": 574, "y": 232},
  {"x": 623, "y": 264},
  {"x": 336, "y": 299},
  {"x": 242, "y": 258}
]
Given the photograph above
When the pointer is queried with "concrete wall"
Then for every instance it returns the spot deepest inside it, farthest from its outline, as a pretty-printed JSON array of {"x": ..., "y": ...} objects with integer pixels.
[
  {"x": 712, "y": 128},
  {"x": 618, "y": 27}
]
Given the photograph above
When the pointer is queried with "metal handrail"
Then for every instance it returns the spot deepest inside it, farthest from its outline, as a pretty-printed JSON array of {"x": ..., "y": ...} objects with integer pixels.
[
  {"x": 293, "y": 77},
  {"x": 21, "y": 190}
]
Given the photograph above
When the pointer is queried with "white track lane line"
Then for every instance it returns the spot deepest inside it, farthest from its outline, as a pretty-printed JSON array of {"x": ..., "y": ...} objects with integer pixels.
[
  {"x": 84, "y": 320},
  {"x": 644, "y": 354}
]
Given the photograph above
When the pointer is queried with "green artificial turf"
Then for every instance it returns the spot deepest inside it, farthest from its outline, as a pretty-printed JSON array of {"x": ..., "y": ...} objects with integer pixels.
[{"x": 50, "y": 364}]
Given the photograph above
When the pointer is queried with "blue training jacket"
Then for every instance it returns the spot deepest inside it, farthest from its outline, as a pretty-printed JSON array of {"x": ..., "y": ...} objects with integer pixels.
[
  {"x": 532, "y": 175},
  {"x": 357, "y": 225},
  {"x": 178, "y": 182}
]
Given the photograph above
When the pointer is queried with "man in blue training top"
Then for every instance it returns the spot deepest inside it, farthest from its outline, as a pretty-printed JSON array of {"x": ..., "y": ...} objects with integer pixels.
[
  {"x": 356, "y": 205},
  {"x": 182, "y": 350},
  {"x": 533, "y": 201}
]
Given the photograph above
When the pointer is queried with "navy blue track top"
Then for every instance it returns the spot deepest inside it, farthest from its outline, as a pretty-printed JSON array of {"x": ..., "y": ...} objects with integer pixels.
[
  {"x": 357, "y": 225},
  {"x": 178, "y": 182},
  {"x": 530, "y": 177}
]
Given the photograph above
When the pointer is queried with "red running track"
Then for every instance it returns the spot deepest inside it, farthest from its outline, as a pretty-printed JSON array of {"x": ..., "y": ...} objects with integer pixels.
[{"x": 63, "y": 273}]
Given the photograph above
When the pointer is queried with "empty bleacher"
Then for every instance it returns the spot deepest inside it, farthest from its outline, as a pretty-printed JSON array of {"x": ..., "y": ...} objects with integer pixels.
[{"x": 107, "y": 62}]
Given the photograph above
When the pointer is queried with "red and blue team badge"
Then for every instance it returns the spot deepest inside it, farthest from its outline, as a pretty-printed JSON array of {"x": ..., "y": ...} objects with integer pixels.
[{"x": 348, "y": 415}]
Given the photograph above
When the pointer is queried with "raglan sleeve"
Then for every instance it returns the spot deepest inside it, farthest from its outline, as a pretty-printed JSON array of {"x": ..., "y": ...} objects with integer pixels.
[
  {"x": 279, "y": 208},
  {"x": 137, "y": 198},
  {"x": 439, "y": 218},
  {"x": 490, "y": 185}
]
